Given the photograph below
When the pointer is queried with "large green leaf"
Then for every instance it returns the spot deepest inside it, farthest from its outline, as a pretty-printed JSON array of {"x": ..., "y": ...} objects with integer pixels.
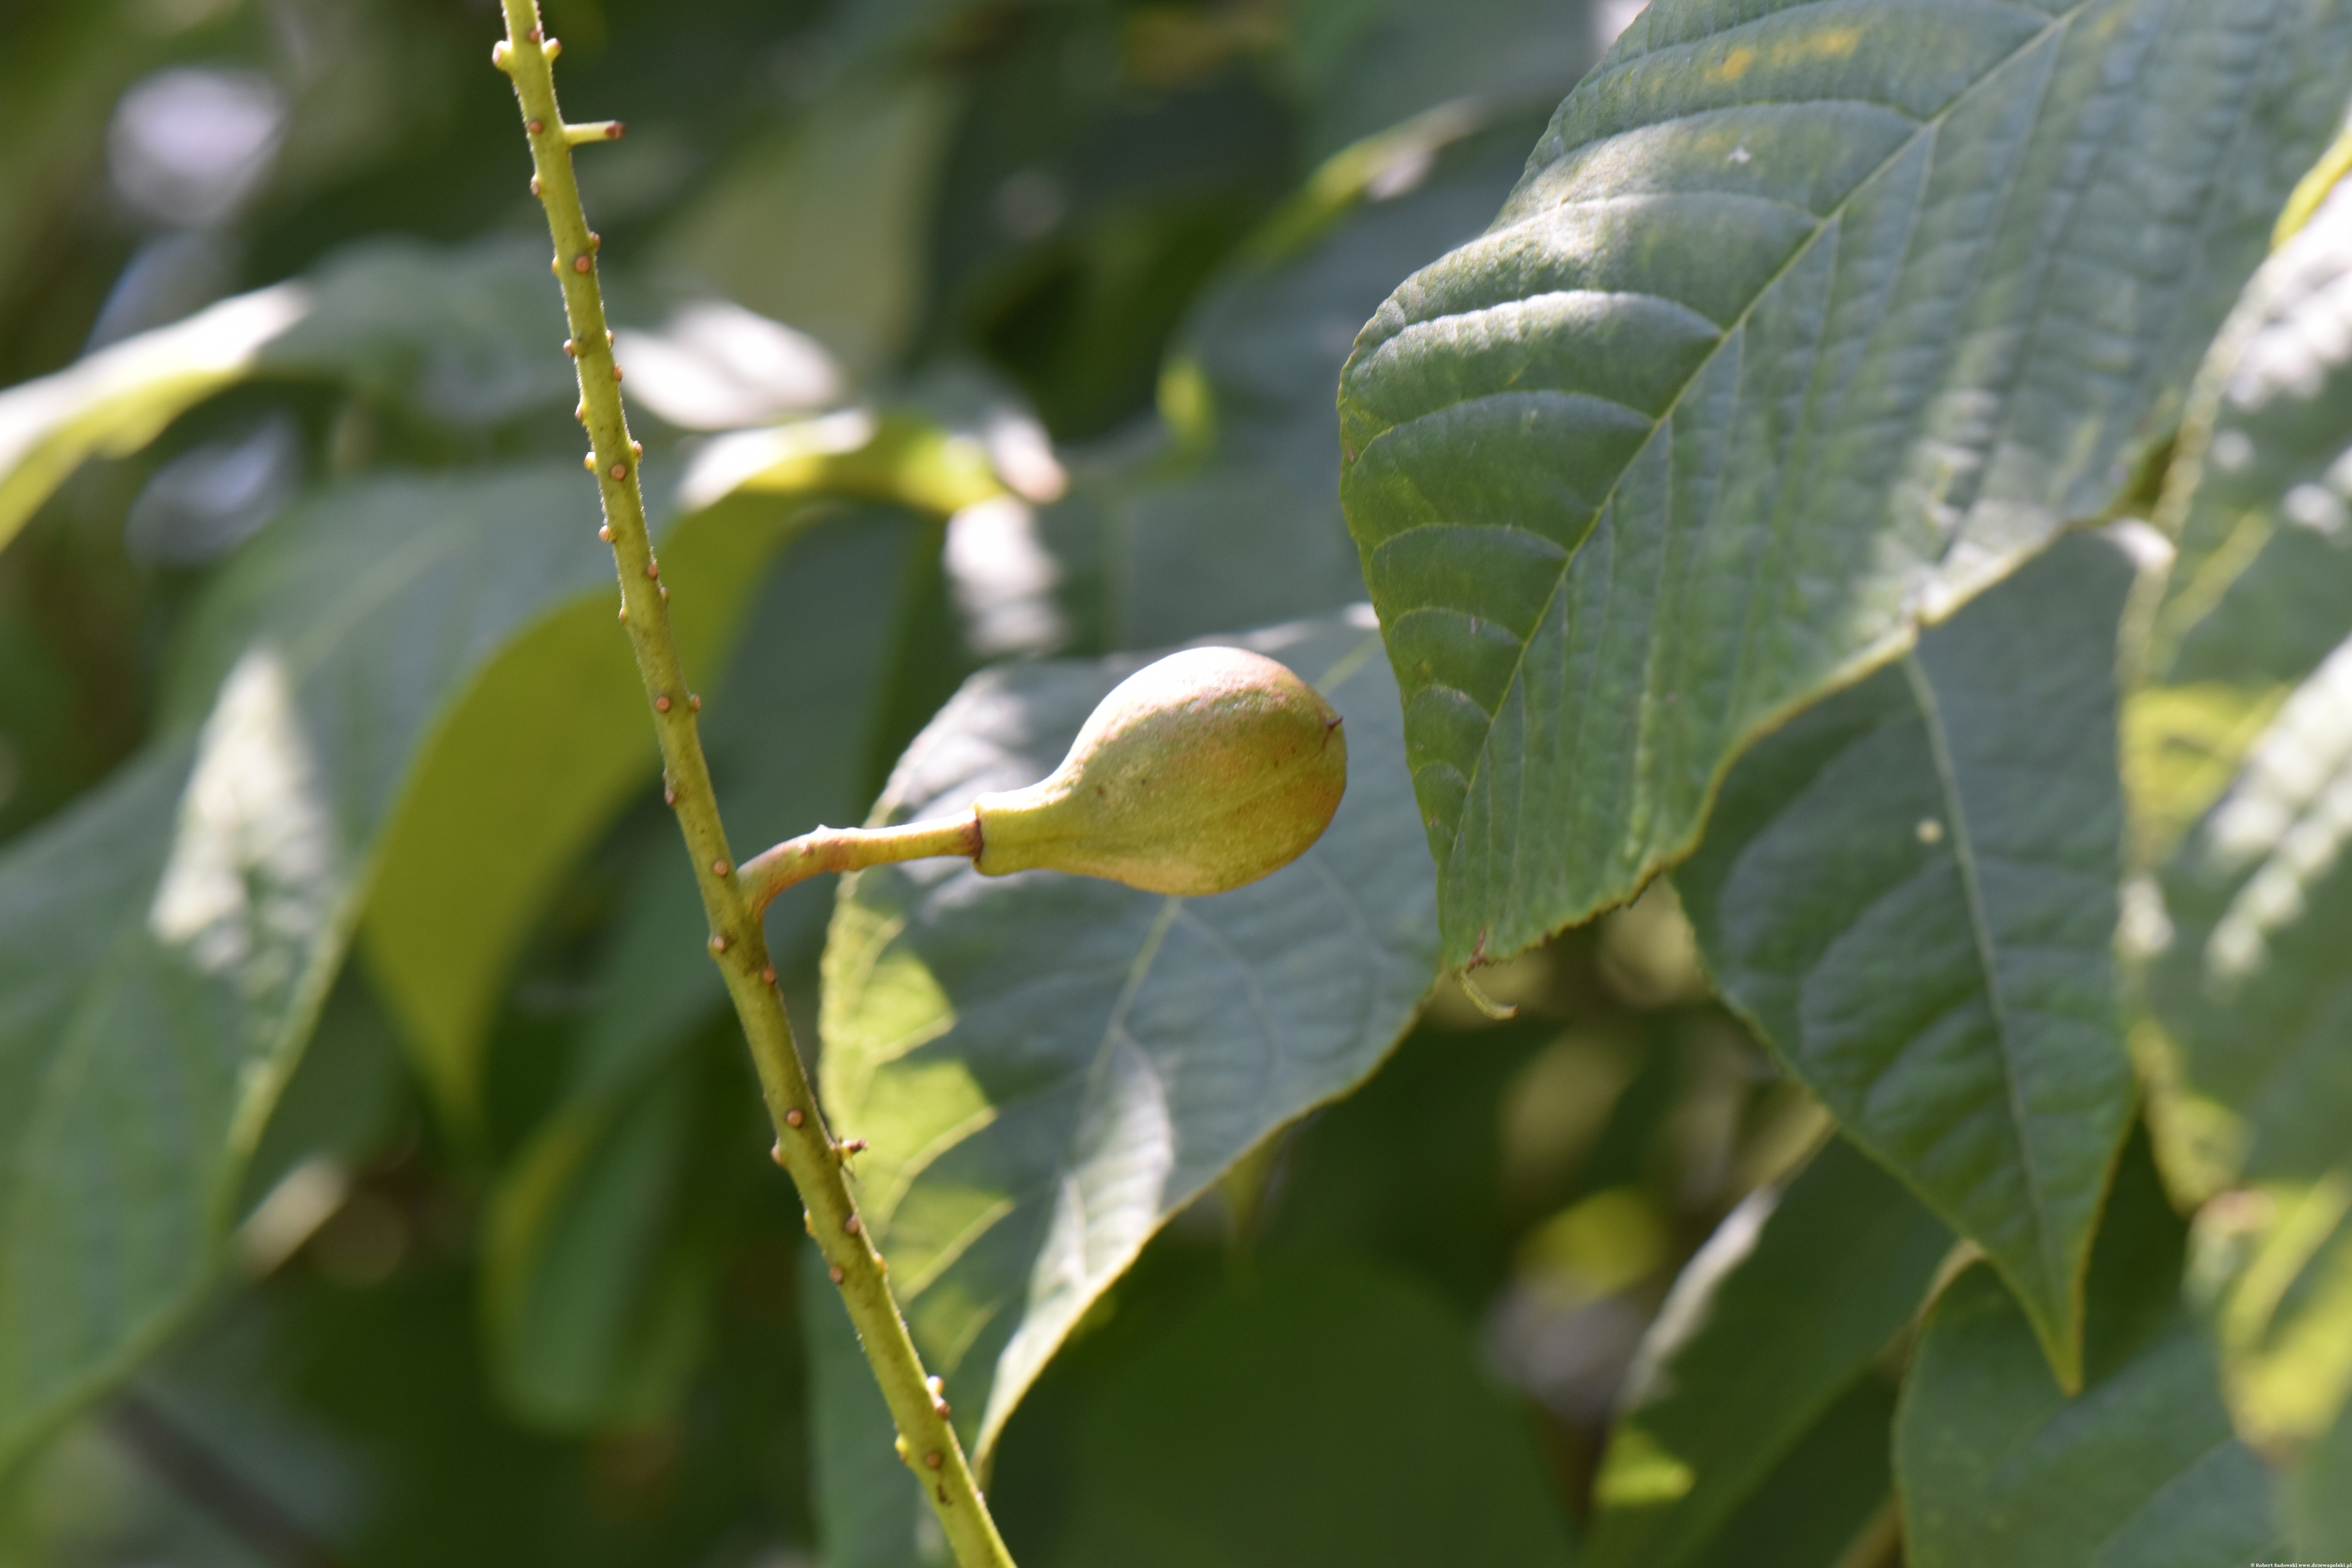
[
  {"x": 2241, "y": 753},
  {"x": 2139, "y": 1470},
  {"x": 2240, "y": 750},
  {"x": 166, "y": 945},
  {"x": 2319, "y": 1505},
  {"x": 1775, "y": 1319},
  {"x": 1912, "y": 892},
  {"x": 548, "y": 742},
  {"x": 1049, "y": 1067},
  {"x": 1810, "y": 319}
]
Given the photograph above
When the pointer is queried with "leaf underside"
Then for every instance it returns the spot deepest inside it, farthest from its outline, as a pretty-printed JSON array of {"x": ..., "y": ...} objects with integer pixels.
[
  {"x": 1810, "y": 319},
  {"x": 1049, "y": 1067}
]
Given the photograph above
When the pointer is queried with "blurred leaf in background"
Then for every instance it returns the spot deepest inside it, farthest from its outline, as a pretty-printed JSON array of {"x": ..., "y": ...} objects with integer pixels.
[{"x": 381, "y": 1178}]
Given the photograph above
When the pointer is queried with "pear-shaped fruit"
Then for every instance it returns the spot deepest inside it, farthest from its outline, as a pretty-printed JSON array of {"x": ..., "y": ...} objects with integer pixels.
[{"x": 1205, "y": 770}]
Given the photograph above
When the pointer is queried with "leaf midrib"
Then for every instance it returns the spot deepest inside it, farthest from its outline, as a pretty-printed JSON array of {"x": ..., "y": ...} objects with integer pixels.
[{"x": 1964, "y": 858}]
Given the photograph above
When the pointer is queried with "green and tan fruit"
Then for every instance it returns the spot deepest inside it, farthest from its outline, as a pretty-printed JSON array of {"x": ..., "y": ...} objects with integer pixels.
[{"x": 1197, "y": 774}]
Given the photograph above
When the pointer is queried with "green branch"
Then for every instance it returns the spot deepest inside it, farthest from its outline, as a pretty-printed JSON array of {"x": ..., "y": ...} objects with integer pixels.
[{"x": 804, "y": 1146}]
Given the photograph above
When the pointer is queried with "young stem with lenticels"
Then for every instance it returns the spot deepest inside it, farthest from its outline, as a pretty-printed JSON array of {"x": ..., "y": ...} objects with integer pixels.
[{"x": 804, "y": 1145}]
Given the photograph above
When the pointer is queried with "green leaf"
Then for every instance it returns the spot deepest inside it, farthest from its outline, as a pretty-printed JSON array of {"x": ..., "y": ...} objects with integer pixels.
[
  {"x": 1810, "y": 319},
  {"x": 604, "y": 1255},
  {"x": 2240, "y": 765},
  {"x": 1994, "y": 1464},
  {"x": 442, "y": 332},
  {"x": 165, "y": 946},
  {"x": 2319, "y": 1499},
  {"x": 1831, "y": 1501},
  {"x": 1911, "y": 892},
  {"x": 2241, "y": 757},
  {"x": 1776, "y": 1320},
  {"x": 550, "y": 740},
  {"x": 1049, "y": 1066},
  {"x": 1339, "y": 1416}
]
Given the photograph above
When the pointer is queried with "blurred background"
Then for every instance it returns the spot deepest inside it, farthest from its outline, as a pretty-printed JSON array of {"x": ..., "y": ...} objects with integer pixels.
[{"x": 1121, "y": 247}]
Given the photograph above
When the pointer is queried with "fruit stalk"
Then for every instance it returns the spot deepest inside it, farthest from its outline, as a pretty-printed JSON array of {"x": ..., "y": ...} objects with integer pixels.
[
  {"x": 804, "y": 1145},
  {"x": 824, "y": 849}
]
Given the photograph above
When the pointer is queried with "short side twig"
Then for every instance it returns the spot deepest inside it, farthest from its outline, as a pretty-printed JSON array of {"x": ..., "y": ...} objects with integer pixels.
[{"x": 804, "y": 1146}]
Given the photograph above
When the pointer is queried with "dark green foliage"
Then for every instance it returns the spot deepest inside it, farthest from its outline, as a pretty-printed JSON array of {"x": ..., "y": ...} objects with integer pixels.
[{"x": 381, "y": 1178}]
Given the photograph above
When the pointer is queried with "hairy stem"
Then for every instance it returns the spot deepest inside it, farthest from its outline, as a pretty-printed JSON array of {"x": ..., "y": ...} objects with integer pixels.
[
  {"x": 804, "y": 1145},
  {"x": 853, "y": 849}
]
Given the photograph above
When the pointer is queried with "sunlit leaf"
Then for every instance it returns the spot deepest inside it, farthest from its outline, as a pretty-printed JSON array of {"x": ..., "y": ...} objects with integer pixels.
[
  {"x": 2139, "y": 1470},
  {"x": 2241, "y": 740},
  {"x": 549, "y": 740},
  {"x": 1808, "y": 322},
  {"x": 1049, "y": 1067},
  {"x": 166, "y": 945},
  {"x": 1912, "y": 892},
  {"x": 120, "y": 398},
  {"x": 1774, "y": 1321},
  {"x": 2240, "y": 776},
  {"x": 443, "y": 332}
]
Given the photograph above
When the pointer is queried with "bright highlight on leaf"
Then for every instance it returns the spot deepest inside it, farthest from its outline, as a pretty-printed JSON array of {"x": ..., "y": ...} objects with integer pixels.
[{"x": 1049, "y": 1067}]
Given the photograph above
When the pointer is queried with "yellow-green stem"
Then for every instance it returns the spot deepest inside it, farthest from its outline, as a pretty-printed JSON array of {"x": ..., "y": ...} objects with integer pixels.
[
  {"x": 795, "y": 860},
  {"x": 804, "y": 1145}
]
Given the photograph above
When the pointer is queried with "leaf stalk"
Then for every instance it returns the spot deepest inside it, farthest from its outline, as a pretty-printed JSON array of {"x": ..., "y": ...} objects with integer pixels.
[{"x": 804, "y": 1147}]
